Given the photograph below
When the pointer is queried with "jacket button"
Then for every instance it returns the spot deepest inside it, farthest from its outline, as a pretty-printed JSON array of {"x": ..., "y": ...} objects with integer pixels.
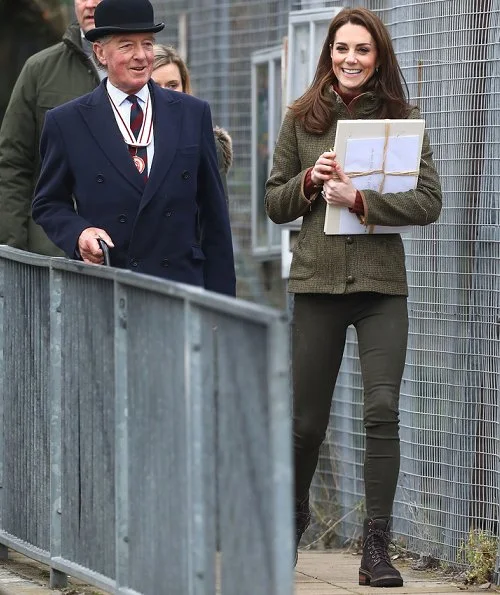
[
  {"x": 167, "y": 214},
  {"x": 99, "y": 179},
  {"x": 185, "y": 175},
  {"x": 133, "y": 263},
  {"x": 350, "y": 279},
  {"x": 122, "y": 218},
  {"x": 165, "y": 262},
  {"x": 348, "y": 239}
]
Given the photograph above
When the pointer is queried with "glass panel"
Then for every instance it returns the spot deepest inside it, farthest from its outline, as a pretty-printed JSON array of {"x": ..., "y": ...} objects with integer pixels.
[
  {"x": 298, "y": 68},
  {"x": 278, "y": 101},
  {"x": 305, "y": 4},
  {"x": 275, "y": 233},
  {"x": 275, "y": 230},
  {"x": 321, "y": 30},
  {"x": 262, "y": 151}
]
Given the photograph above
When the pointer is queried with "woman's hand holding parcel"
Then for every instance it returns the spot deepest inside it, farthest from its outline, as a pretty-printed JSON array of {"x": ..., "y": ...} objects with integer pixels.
[{"x": 339, "y": 190}]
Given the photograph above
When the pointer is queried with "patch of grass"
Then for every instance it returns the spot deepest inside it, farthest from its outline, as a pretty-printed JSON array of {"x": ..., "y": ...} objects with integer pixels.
[
  {"x": 328, "y": 523},
  {"x": 479, "y": 554}
]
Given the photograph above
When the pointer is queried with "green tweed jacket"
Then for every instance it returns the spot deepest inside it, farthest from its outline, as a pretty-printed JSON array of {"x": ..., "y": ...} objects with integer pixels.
[{"x": 340, "y": 264}]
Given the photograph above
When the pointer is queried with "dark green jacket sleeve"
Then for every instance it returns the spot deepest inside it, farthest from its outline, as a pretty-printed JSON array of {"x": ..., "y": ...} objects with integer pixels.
[
  {"x": 18, "y": 143},
  {"x": 415, "y": 207},
  {"x": 285, "y": 198}
]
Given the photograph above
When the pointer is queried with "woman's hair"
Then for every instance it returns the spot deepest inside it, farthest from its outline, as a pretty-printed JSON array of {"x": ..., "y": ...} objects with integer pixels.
[
  {"x": 314, "y": 107},
  {"x": 167, "y": 54}
]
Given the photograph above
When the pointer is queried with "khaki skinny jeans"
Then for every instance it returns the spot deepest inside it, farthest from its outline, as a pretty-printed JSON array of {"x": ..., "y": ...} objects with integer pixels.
[{"x": 319, "y": 326}]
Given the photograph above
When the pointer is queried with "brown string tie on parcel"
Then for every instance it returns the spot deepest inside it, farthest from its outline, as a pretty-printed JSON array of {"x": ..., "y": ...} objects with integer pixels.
[{"x": 359, "y": 174}]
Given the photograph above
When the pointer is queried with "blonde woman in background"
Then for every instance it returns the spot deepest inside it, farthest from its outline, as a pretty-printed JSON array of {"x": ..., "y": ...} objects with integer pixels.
[{"x": 171, "y": 72}]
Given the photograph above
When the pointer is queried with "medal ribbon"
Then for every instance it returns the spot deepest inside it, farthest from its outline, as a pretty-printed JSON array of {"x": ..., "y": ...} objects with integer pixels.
[
  {"x": 127, "y": 134},
  {"x": 134, "y": 133},
  {"x": 139, "y": 154}
]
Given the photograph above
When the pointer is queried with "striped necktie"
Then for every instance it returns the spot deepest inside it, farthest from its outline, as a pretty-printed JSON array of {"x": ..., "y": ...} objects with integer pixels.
[{"x": 139, "y": 154}]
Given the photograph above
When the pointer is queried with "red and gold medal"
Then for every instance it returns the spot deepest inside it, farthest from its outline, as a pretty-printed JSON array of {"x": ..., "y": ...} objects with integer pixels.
[{"x": 139, "y": 163}]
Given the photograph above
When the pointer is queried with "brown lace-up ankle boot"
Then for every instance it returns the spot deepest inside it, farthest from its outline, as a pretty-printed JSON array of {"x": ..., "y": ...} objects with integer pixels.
[
  {"x": 302, "y": 520},
  {"x": 376, "y": 568}
]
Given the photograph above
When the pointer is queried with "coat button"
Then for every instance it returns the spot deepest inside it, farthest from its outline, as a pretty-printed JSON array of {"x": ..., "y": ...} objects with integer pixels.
[
  {"x": 165, "y": 262},
  {"x": 167, "y": 214},
  {"x": 99, "y": 179},
  {"x": 350, "y": 279},
  {"x": 134, "y": 263},
  {"x": 122, "y": 218},
  {"x": 348, "y": 239},
  {"x": 185, "y": 175}
]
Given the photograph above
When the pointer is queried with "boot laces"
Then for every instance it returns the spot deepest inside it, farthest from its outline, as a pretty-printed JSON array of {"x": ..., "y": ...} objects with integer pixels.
[{"x": 378, "y": 544}]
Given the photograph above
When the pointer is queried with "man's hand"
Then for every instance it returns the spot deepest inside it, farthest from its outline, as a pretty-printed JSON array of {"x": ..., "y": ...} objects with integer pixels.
[{"x": 88, "y": 245}]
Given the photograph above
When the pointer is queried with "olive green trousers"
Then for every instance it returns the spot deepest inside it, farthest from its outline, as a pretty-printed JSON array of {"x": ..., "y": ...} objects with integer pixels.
[{"x": 319, "y": 326}]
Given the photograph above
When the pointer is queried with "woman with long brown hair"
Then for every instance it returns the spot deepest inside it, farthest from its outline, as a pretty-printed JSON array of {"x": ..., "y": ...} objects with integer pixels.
[{"x": 343, "y": 280}]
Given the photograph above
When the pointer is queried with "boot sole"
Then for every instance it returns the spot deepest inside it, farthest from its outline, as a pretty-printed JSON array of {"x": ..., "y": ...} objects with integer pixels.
[{"x": 365, "y": 580}]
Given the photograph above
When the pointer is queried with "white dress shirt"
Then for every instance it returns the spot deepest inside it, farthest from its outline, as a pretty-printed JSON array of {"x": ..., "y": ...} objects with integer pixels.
[{"x": 119, "y": 99}]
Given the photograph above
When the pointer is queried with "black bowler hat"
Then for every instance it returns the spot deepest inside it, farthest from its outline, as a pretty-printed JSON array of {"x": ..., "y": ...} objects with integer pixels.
[{"x": 123, "y": 16}]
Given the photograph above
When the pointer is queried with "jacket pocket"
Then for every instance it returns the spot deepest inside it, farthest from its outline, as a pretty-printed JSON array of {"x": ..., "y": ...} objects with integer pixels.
[
  {"x": 304, "y": 259},
  {"x": 384, "y": 259}
]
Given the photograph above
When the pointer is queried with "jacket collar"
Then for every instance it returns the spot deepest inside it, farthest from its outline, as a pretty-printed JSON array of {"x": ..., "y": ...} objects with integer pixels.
[
  {"x": 98, "y": 114},
  {"x": 364, "y": 104},
  {"x": 73, "y": 38}
]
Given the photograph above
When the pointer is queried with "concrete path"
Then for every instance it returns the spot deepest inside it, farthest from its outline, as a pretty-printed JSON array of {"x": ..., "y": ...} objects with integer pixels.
[
  {"x": 20, "y": 575},
  {"x": 317, "y": 573},
  {"x": 336, "y": 573}
]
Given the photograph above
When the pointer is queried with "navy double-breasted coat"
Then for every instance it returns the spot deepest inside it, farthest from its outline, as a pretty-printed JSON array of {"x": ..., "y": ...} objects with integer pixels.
[{"x": 176, "y": 226}]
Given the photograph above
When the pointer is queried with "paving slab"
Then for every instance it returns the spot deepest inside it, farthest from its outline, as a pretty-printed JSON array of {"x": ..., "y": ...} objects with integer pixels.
[
  {"x": 20, "y": 575},
  {"x": 335, "y": 572}
]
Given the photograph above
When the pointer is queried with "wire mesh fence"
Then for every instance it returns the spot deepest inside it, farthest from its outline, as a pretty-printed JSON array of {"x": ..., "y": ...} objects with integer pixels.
[
  {"x": 450, "y": 57},
  {"x": 449, "y": 477}
]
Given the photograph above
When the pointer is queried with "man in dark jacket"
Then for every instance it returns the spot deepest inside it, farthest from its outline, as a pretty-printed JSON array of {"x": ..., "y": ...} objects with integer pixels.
[
  {"x": 49, "y": 78},
  {"x": 135, "y": 165}
]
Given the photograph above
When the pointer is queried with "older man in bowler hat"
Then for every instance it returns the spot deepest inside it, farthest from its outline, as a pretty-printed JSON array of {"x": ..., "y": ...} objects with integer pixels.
[{"x": 135, "y": 165}]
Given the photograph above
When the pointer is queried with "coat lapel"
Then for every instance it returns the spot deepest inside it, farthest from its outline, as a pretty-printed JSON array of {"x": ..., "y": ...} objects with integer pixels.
[
  {"x": 99, "y": 117},
  {"x": 167, "y": 127}
]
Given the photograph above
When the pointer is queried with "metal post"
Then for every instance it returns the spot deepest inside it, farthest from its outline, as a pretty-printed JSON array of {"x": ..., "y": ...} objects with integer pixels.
[
  {"x": 57, "y": 579},
  {"x": 2, "y": 384},
  {"x": 4, "y": 551},
  {"x": 280, "y": 432},
  {"x": 121, "y": 440},
  {"x": 200, "y": 453}
]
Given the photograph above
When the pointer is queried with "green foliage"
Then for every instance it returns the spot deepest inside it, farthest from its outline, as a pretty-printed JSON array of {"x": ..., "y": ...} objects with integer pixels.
[{"x": 479, "y": 553}]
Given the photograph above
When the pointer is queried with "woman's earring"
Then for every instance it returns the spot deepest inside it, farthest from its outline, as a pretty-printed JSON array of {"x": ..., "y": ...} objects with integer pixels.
[{"x": 376, "y": 69}]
